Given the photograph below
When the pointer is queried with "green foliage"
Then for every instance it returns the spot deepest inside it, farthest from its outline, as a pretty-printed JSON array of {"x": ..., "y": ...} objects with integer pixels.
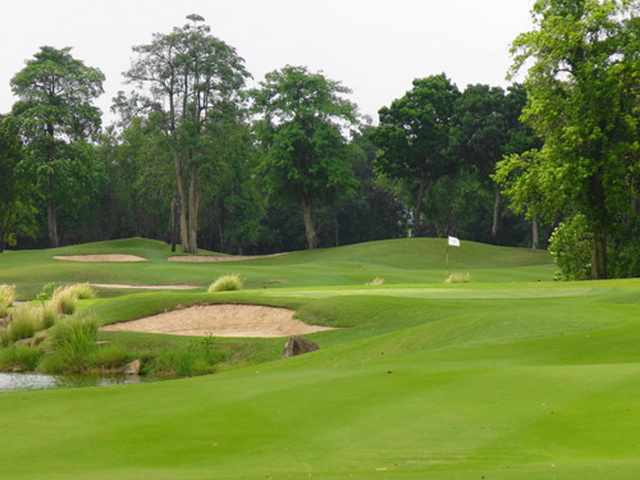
[
  {"x": 47, "y": 292},
  {"x": 414, "y": 140},
  {"x": 55, "y": 116},
  {"x": 570, "y": 244},
  {"x": 582, "y": 102},
  {"x": 227, "y": 283},
  {"x": 305, "y": 159}
]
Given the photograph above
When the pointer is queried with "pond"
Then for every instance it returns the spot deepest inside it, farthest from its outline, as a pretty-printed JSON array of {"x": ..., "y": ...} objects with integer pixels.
[{"x": 33, "y": 381}]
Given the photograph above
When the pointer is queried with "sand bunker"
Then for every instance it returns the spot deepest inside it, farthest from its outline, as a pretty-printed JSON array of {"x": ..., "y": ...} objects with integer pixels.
[
  {"x": 221, "y": 321},
  {"x": 105, "y": 257},
  {"x": 218, "y": 258}
]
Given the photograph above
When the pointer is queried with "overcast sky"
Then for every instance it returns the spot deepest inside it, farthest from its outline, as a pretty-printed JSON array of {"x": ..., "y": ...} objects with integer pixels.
[{"x": 374, "y": 47}]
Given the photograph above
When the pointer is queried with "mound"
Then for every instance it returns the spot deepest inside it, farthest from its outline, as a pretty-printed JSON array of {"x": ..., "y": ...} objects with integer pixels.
[
  {"x": 220, "y": 258},
  {"x": 248, "y": 321},
  {"x": 103, "y": 257},
  {"x": 144, "y": 287}
]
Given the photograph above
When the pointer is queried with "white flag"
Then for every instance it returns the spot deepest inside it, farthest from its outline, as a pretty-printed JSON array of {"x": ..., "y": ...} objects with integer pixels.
[{"x": 454, "y": 242}]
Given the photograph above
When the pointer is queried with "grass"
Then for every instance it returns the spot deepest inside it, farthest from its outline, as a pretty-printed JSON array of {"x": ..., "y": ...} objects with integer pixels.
[{"x": 499, "y": 378}]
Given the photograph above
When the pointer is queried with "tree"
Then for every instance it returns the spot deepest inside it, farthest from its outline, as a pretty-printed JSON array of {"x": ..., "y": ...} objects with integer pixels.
[
  {"x": 16, "y": 211},
  {"x": 584, "y": 103},
  {"x": 305, "y": 155},
  {"x": 414, "y": 139},
  {"x": 486, "y": 126},
  {"x": 189, "y": 75},
  {"x": 54, "y": 112}
]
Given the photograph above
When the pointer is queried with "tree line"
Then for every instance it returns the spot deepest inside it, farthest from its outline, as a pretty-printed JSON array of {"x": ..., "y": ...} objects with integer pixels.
[{"x": 200, "y": 160}]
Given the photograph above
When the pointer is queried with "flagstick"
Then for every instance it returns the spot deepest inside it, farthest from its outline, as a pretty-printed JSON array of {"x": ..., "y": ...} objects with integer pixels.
[{"x": 446, "y": 264}]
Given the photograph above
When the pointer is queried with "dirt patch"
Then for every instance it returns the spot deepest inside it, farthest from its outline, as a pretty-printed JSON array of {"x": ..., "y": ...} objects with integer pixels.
[
  {"x": 247, "y": 321},
  {"x": 218, "y": 258},
  {"x": 105, "y": 257},
  {"x": 144, "y": 287}
]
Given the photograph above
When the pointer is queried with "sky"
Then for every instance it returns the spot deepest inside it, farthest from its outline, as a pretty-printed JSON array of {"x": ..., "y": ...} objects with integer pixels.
[{"x": 374, "y": 47}]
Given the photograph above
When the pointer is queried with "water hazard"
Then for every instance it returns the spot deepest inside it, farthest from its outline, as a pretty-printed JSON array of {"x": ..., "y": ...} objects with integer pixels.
[{"x": 10, "y": 382}]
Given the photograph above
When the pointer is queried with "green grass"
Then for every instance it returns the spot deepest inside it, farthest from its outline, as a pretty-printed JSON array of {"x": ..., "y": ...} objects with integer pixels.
[{"x": 503, "y": 377}]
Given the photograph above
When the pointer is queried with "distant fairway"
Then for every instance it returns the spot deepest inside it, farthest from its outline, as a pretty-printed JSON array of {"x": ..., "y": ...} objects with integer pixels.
[{"x": 510, "y": 376}]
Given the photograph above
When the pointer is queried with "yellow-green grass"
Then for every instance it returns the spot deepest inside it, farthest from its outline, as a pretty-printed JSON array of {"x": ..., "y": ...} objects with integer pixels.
[{"x": 425, "y": 380}]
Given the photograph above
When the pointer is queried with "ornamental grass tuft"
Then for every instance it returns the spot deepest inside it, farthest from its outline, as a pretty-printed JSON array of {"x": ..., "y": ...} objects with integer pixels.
[
  {"x": 227, "y": 283},
  {"x": 7, "y": 297}
]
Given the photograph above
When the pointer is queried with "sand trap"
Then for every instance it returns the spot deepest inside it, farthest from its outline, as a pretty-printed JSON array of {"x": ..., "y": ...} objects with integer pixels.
[
  {"x": 144, "y": 287},
  {"x": 105, "y": 257},
  {"x": 218, "y": 258},
  {"x": 221, "y": 321}
]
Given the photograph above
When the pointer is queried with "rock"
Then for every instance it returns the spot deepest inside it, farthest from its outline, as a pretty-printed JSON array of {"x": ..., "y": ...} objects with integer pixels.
[
  {"x": 132, "y": 368},
  {"x": 297, "y": 346}
]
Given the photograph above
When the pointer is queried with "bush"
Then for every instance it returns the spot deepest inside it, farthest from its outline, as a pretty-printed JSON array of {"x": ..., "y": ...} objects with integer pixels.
[
  {"x": 7, "y": 297},
  {"x": 227, "y": 283},
  {"x": 571, "y": 244}
]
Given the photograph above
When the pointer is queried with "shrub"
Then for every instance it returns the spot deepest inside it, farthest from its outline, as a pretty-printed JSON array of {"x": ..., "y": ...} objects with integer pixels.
[
  {"x": 111, "y": 358},
  {"x": 227, "y": 283},
  {"x": 458, "y": 278},
  {"x": 82, "y": 291},
  {"x": 47, "y": 292},
  {"x": 570, "y": 244},
  {"x": 7, "y": 297}
]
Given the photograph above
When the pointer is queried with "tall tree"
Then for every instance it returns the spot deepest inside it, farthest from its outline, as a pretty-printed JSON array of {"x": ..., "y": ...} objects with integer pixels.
[
  {"x": 305, "y": 158},
  {"x": 584, "y": 100},
  {"x": 55, "y": 111},
  {"x": 414, "y": 139},
  {"x": 189, "y": 75},
  {"x": 16, "y": 210}
]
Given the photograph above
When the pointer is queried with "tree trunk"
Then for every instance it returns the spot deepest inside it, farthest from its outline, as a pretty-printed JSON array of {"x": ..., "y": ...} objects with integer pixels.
[
  {"x": 193, "y": 207},
  {"x": 599, "y": 255},
  {"x": 418, "y": 224},
  {"x": 600, "y": 224},
  {"x": 307, "y": 215},
  {"x": 52, "y": 224},
  {"x": 185, "y": 245},
  {"x": 496, "y": 214},
  {"x": 535, "y": 234}
]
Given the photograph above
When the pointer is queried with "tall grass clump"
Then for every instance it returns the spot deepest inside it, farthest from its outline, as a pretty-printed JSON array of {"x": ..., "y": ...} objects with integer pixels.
[
  {"x": 20, "y": 358},
  {"x": 26, "y": 322},
  {"x": 74, "y": 343},
  {"x": 65, "y": 298},
  {"x": 7, "y": 297},
  {"x": 227, "y": 283}
]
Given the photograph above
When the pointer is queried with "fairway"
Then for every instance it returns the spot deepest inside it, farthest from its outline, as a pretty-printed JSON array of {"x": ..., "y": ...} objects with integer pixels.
[{"x": 508, "y": 376}]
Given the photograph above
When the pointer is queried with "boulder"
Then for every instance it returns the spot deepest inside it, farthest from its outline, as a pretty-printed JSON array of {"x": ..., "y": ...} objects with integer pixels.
[
  {"x": 132, "y": 368},
  {"x": 297, "y": 346}
]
